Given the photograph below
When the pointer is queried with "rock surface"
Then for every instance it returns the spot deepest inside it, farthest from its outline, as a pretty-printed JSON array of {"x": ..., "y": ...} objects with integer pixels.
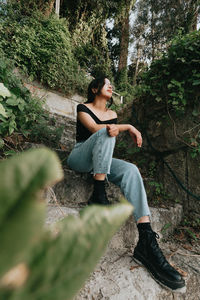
[
  {"x": 117, "y": 277},
  {"x": 168, "y": 136},
  {"x": 127, "y": 235}
]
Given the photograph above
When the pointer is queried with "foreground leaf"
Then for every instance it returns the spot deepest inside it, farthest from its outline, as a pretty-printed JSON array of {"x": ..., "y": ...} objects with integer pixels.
[
  {"x": 63, "y": 260},
  {"x": 22, "y": 213}
]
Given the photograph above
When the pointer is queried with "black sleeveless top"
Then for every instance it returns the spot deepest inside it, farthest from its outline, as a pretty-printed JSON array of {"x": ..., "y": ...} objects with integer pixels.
[{"x": 82, "y": 133}]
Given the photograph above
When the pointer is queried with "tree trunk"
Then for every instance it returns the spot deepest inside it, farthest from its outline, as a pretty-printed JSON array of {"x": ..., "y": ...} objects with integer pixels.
[
  {"x": 124, "y": 42},
  {"x": 193, "y": 15},
  {"x": 58, "y": 7},
  {"x": 139, "y": 54},
  {"x": 153, "y": 31}
]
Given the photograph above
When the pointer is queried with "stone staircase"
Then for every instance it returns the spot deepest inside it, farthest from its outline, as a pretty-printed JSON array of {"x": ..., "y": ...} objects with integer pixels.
[{"x": 116, "y": 277}]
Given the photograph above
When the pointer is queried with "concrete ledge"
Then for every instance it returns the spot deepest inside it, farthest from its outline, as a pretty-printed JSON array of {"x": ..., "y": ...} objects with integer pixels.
[{"x": 56, "y": 102}]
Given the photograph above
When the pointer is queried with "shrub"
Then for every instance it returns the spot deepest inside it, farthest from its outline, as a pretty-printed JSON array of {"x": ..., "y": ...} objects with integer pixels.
[
  {"x": 41, "y": 46},
  {"x": 89, "y": 39},
  {"x": 171, "y": 84},
  {"x": 19, "y": 111},
  {"x": 175, "y": 77}
]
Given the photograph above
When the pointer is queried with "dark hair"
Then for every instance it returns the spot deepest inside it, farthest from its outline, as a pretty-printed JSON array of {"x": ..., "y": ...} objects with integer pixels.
[{"x": 98, "y": 84}]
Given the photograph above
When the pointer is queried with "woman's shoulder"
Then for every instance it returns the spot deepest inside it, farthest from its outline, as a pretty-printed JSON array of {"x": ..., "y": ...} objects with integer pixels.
[{"x": 81, "y": 107}]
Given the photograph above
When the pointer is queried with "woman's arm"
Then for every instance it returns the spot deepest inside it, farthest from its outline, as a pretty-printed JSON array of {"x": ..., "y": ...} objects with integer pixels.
[{"x": 113, "y": 129}]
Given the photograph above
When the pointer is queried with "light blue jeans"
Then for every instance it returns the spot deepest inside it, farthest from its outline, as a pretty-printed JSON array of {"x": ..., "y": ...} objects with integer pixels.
[{"x": 96, "y": 155}]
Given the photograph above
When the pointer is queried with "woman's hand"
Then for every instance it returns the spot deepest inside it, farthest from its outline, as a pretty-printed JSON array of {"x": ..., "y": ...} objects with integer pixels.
[
  {"x": 136, "y": 136},
  {"x": 112, "y": 130}
]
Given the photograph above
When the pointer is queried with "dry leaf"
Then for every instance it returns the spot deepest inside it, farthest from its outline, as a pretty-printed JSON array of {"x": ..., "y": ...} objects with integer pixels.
[
  {"x": 63, "y": 148},
  {"x": 134, "y": 267},
  {"x": 183, "y": 273},
  {"x": 187, "y": 247}
]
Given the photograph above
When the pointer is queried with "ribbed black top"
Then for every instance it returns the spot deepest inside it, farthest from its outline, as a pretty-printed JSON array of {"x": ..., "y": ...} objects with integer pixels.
[{"x": 82, "y": 133}]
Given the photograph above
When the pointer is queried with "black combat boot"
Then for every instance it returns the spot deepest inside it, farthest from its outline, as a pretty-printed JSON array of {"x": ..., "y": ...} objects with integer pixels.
[
  {"x": 150, "y": 255},
  {"x": 99, "y": 193}
]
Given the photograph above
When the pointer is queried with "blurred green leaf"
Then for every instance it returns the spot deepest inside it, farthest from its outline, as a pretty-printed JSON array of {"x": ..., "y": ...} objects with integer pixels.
[{"x": 21, "y": 216}]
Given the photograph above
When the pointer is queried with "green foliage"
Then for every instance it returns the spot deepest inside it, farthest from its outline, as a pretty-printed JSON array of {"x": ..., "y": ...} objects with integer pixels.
[
  {"x": 165, "y": 227},
  {"x": 164, "y": 80},
  {"x": 124, "y": 87},
  {"x": 28, "y": 7},
  {"x": 89, "y": 39},
  {"x": 189, "y": 228},
  {"x": 20, "y": 112},
  {"x": 9, "y": 110},
  {"x": 158, "y": 22},
  {"x": 158, "y": 188},
  {"x": 172, "y": 82},
  {"x": 39, "y": 264},
  {"x": 93, "y": 59},
  {"x": 41, "y": 46},
  {"x": 76, "y": 10}
]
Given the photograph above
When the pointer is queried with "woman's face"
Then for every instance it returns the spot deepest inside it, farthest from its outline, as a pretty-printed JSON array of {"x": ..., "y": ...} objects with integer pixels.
[{"x": 106, "y": 90}]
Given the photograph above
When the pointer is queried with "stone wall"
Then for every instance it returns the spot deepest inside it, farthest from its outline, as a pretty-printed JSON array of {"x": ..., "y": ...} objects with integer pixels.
[{"x": 169, "y": 134}]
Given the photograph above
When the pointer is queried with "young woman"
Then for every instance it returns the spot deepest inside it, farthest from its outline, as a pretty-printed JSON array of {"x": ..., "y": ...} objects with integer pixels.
[{"x": 97, "y": 129}]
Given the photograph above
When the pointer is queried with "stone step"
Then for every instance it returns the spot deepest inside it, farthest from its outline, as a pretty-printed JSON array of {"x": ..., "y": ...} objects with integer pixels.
[
  {"x": 62, "y": 108},
  {"x": 75, "y": 190},
  {"x": 163, "y": 222},
  {"x": 117, "y": 277}
]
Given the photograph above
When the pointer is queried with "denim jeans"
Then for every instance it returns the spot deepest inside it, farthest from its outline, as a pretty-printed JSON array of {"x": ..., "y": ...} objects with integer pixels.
[{"x": 96, "y": 155}]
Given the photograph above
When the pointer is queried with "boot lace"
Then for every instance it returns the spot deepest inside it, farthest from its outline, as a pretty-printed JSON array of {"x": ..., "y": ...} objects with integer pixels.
[{"x": 156, "y": 249}]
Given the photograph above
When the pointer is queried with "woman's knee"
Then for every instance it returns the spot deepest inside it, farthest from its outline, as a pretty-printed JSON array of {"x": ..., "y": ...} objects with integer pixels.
[
  {"x": 132, "y": 170},
  {"x": 103, "y": 133}
]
